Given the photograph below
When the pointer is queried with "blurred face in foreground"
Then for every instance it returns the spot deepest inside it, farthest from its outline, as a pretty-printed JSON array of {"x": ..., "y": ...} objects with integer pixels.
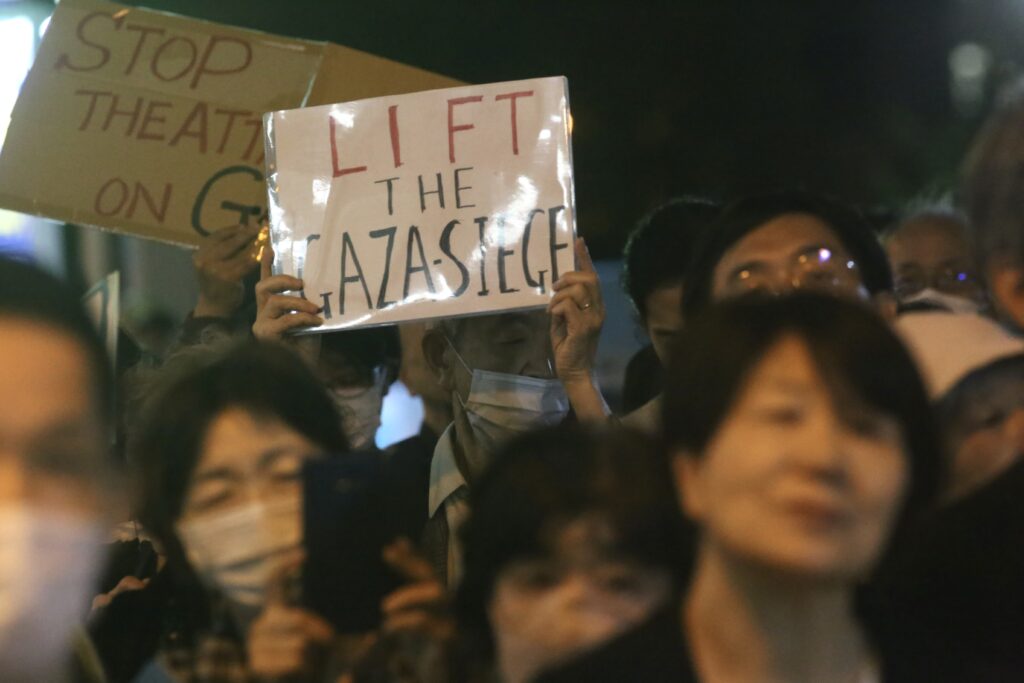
[
  {"x": 798, "y": 480},
  {"x": 792, "y": 251},
  {"x": 547, "y": 609},
  {"x": 53, "y": 502}
]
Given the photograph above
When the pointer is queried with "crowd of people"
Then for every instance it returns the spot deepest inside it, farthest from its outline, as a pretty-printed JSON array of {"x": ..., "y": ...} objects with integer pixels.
[{"x": 816, "y": 476}]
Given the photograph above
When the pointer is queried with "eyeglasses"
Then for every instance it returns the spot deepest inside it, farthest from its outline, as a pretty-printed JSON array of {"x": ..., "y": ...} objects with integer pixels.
[
  {"x": 961, "y": 281},
  {"x": 815, "y": 268}
]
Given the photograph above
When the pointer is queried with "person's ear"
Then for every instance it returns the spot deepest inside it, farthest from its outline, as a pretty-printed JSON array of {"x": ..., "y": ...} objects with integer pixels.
[
  {"x": 687, "y": 474},
  {"x": 1006, "y": 284},
  {"x": 438, "y": 355}
]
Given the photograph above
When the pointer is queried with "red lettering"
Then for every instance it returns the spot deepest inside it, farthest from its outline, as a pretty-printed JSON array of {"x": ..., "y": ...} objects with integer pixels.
[
  {"x": 64, "y": 61},
  {"x": 334, "y": 154},
  {"x": 396, "y": 147},
  {"x": 144, "y": 32},
  {"x": 198, "y": 114},
  {"x": 159, "y": 212},
  {"x": 131, "y": 114},
  {"x": 148, "y": 118},
  {"x": 98, "y": 203},
  {"x": 96, "y": 94},
  {"x": 204, "y": 62},
  {"x": 160, "y": 50},
  {"x": 232, "y": 114},
  {"x": 453, "y": 128},
  {"x": 512, "y": 97}
]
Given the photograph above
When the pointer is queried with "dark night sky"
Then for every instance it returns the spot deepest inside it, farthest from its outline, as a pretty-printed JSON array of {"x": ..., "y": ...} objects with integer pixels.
[{"x": 718, "y": 97}]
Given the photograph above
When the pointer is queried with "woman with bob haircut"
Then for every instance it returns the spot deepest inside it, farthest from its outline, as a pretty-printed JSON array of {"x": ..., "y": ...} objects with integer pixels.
[
  {"x": 801, "y": 443},
  {"x": 574, "y": 538}
]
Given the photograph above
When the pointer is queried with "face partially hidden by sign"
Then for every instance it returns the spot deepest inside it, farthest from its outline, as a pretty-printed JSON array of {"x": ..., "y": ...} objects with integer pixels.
[
  {"x": 789, "y": 484},
  {"x": 792, "y": 251}
]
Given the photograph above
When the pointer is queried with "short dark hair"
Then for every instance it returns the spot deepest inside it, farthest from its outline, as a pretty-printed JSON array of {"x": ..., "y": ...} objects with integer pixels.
[
  {"x": 968, "y": 402},
  {"x": 659, "y": 249},
  {"x": 364, "y": 350},
  {"x": 29, "y": 293},
  {"x": 853, "y": 348},
  {"x": 547, "y": 478},
  {"x": 746, "y": 215},
  {"x": 193, "y": 389}
]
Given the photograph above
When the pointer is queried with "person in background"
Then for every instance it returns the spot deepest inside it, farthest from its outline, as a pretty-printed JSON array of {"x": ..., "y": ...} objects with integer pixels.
[
  {"x": 59, "y": 486},
  {"x": 220, "y": 446},
  {"x": 656, "y": 257},
  {"x": 777, "y": 243},
  {"x": 809, "y": 450},
  {"x": 990, "y": 188},
  {"x": 574, "y": 538},
  {"x": 954, "y": 590},
  {"x": 416, "y": 375},
  {"x": 933, "y": 261}
]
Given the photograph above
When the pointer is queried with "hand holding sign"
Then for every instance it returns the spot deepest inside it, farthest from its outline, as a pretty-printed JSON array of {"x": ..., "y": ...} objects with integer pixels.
[
  {"x": 221, "y": 263},
  {"x": 277, "y": 312}
]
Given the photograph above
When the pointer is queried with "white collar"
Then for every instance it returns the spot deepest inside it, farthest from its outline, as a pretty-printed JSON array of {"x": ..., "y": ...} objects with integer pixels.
[{"x": 445, "y": 477}]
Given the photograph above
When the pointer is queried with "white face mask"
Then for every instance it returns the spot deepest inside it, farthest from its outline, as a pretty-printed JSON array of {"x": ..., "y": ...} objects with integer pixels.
[
  {"x": 360, "y": 408},
  {"x": 501, "y": 405},
  {"x": 950, "y": 302},
  {"x": 240, "y": 551},
  {"x": 48, "y": 567}
]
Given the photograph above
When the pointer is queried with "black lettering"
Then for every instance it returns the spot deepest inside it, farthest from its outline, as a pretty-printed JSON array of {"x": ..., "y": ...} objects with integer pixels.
[
  {"x": 346, "y": 247},
  {"x": 526, "y": 253},
  {"x": 244, "y": 211},
  {"x": 390, "y": 194},
  {"x": 446, "y": 249},
  {"x": 460, "y": 188},
  {"x": 556, "y": 246},
  {"x": 390, "y": 234},
  {"x": 326, "y": 308},
  {"x": 414, "y": 234},
  {"x": 502, "y": 253},
  {"x": 481, "y": 223},
  {"x": 439, "y": 192}
]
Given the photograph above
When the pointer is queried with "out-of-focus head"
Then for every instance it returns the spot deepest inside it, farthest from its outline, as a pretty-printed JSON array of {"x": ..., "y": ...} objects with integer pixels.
[
  {"x": 782, "y": 242},
  {"x": 58, "y": 484},
  {"x": 975, "y": 373},
  {"x": 932, "y": 260},
  {"x": 656, "y": 258},
  {"x": 991, "y": 187},
  {"x": 358, "y": 366},
  {"x": 220, "y": 445},
  {"x": 810, "y": 439},
  {"x": 414, "y": 370},
  {"x": 575, "y": 536}
]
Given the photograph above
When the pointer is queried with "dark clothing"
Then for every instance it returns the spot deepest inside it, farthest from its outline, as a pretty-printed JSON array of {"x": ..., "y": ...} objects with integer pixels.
[
  {"x": 407, "y": 482},
  {"x": 643, "y": 379},
  {"x": 954, "y": 590},
  {"x": 654, "y": 652}
]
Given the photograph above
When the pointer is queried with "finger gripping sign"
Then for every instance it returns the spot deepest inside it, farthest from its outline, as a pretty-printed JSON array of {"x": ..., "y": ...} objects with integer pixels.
[{"x": 441, "y": 203}]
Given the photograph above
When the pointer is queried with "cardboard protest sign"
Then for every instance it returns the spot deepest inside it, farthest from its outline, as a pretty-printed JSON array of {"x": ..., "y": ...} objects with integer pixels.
[
  {"x": 103, "y": 305},
  {"x": 150, "y": 123},
  {"x": 439, "y": 203}
]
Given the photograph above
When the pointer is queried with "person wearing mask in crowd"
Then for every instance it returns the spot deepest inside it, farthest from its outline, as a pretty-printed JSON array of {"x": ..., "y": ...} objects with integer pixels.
[
  {"x": 933, "y": 261},
  {"x": 777, "y": 243},
  {"x": 59, "y": 485},
  {"x": 807, "y": 453},
  {"x": 220, "y": 447},
  {"x": 955, "y": 585},
  {"x": 503, "y": 373},
  {"x": 357, "y": 366},
  {"x": 574, "y": 538},
  {"x": 656, "y": 257},
  {"x": 990, "y": 189}
]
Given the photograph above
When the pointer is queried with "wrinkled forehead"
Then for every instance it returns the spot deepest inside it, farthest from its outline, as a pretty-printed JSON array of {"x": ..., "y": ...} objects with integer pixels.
[{"x": 479, "y": 329}]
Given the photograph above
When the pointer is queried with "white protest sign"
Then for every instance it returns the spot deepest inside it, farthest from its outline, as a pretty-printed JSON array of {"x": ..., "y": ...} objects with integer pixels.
[
  {"x": 103, "y": 305},
  {"x": 434, "y": 204}
]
